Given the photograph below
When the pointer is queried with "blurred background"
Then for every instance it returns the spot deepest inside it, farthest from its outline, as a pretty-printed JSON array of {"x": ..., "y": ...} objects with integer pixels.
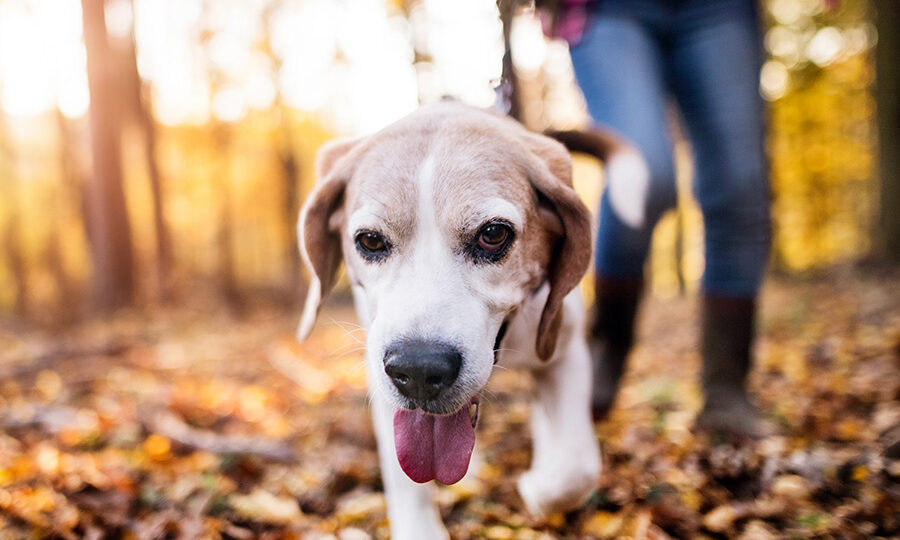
[
  {"x": 156, "y": 150},
  {"x": 154, "y": 155}
]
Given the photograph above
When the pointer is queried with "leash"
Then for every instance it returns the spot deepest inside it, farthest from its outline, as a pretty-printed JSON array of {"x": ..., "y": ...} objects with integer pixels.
[{"x": 598, "y": 143}]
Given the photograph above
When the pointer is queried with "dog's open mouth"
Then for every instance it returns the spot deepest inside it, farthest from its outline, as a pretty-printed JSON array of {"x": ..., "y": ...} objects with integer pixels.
[{"x": 432, "y": 447}]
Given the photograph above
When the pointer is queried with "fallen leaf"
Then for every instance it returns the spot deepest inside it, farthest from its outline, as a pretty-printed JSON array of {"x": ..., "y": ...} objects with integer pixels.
[
  {"x": 757, "y": 530},
  {"x": 602, "y": 524},
  {"x": 792, "y": 486},
  {"x": 260, "y": 505},
  {"x": 360, "y": 507},
  {"x": 721, "y": 519}
]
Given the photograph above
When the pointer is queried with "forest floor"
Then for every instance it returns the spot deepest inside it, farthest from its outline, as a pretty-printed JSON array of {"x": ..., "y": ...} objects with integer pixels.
[{"x": 190, "y": 423}]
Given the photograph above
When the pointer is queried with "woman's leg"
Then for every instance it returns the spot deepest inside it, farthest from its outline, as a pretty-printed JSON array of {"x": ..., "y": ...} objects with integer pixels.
[
  {"x": 618, "y": 64},
  {"x": 716, "y": 60}
]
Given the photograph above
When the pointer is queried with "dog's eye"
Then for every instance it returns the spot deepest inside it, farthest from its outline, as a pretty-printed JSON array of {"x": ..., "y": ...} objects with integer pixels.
[
  {"x": 491, "y": 243},
  {"x": 493, "y": 237},
  {"x": 371, "y": 245}
]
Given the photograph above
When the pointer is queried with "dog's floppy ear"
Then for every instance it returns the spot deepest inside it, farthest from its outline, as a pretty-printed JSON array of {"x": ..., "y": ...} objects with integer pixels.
[
  {"x": 551, "y": 175},
  {"x": 318, "y": 229}
]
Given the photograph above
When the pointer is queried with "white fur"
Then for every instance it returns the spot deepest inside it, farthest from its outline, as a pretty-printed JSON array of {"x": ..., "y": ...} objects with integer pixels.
[
  {"x": 565, "y": 463},
  {"x": 494, "y": 208},
  {"x": 364, "y": 218},
  {"x": 628, "y": 181}
]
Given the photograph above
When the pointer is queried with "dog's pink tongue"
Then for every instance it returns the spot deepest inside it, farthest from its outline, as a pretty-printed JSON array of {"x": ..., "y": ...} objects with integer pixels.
[{"x": 434, "y": 447}]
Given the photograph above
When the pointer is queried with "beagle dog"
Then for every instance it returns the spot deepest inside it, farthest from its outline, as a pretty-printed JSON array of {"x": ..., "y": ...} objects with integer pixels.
[{"x": 463, "y": 241}]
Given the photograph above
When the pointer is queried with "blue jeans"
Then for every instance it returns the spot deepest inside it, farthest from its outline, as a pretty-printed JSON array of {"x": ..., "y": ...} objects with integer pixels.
[{"x": 705, "y": 54}]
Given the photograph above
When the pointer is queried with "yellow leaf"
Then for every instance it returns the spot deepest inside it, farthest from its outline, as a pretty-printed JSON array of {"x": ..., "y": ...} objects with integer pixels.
[
  {"x": 720, "y": 519},
  {"x": 260, "y": 505},
  {"x": 362, "y": 507},
  {"x": 791, "y": 486},
  {"x": 860, "y": 473},
  {"x": 498, "y": 532},
  {"x": 48, "y": 384},
  {"x": 757, "y": 530},
  {"x": 157, "y": 447},
  {"x": 602, "y": 524}
]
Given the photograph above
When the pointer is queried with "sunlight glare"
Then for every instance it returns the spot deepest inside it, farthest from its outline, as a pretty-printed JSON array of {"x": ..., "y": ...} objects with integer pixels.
[
  {"x": 466, "y": 41},
  {"x": 119, "y": 18},
  {"x": 528, "y": 45},
  {"x": 73, "y": 98},
  {"x": 825, "y": 47},
  {"x": 259, "y": 88},
  {"x": 228, "y": 105},
  {"x": 42, "y": 60},
  {"x": 170, "y": 59},
  {"x": 773, "y": 80}
]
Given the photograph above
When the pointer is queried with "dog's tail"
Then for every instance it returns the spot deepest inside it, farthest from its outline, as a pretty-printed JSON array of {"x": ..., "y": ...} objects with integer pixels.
[{"x": 627, "y": 174}]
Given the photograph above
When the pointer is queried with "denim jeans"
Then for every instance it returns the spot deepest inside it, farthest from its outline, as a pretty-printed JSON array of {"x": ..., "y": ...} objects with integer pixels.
[{"x": 705, "y": 54}]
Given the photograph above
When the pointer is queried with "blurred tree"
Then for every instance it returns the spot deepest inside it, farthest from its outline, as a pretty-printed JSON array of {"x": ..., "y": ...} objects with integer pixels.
[
  {"x": 71, "y": 189},
  {"x": 887, "y": 95},
  {"x": 221, "y": 132},
  {"x": 228, "y": 281},
  {"x": 12, "y": 233},
  {"x": 139, "y": 106},
  {"x": 290, "y": 174},
  {"x": 108, "y": 221},
  {"x": 290, "y": 166}
]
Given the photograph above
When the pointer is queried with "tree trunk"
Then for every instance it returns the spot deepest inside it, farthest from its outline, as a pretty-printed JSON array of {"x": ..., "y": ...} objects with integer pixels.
[
  {"x": 67, "y": 296},
  {"x": 679, "y": 249},
  {"x": 139, "y": 95},
  {"x": 110, "y": 246},
  {"x": 887, "y": 95},
  {"x": 290, "y": 172},
  {"x": 225, "y": 247},
  {"x": 16, "y": 262},
  {"x": 163, "y": 238},
  {"x": 12, "y": 239}
]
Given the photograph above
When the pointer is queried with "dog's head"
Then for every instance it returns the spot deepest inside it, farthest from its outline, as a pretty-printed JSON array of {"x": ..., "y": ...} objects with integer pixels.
[{"x": 446, "y": 221}]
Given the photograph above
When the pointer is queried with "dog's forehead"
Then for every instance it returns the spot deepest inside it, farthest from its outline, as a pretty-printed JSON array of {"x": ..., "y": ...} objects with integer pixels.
[
  {"x": 477, "y": 167},
  {"x": 463, "y": 166},
  {"x": 383, "y": 186}
]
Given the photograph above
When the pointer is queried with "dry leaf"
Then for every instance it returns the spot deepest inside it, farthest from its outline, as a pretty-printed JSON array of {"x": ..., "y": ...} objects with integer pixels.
[{"x": 260, "y": 505}]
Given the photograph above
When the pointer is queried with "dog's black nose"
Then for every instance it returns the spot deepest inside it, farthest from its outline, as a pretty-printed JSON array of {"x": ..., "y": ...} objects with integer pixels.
[{"x": 421, "y": 370}]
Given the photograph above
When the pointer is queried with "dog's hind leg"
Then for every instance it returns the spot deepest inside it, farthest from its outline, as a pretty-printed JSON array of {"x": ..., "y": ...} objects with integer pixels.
[
  {"x": 565, "y": 463},
  {"x": 411, "y": 508}
]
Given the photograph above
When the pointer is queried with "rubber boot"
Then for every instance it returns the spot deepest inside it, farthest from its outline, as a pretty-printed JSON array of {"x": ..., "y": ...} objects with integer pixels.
[
  {"x": 611, "y": 337},
  {"x": 727, "y": 328}
]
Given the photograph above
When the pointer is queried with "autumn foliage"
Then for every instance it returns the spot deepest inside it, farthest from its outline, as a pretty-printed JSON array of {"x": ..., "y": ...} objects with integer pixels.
[
  {"x": 150, "y": 383},
  {"x": 188, "y": 424}
]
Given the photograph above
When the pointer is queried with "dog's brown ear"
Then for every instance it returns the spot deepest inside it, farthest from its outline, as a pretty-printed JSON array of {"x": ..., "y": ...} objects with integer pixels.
[
  {"x": 318, "y": 229},
  {"x": 570, "y": 222}
]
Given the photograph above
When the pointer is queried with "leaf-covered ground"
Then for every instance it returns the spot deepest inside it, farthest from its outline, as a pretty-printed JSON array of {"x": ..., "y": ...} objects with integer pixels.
[{"x": 190, "y": 423}]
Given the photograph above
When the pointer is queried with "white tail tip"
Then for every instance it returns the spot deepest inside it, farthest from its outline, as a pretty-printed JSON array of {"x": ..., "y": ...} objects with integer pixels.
[{"x": 628, "y": 181}]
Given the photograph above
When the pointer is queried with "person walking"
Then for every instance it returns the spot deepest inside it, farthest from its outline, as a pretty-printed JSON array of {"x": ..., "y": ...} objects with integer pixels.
[{"x": 631, "y": 59}]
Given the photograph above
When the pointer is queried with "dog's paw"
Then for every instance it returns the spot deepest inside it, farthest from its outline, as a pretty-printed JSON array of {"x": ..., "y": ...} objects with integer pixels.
[{"x": 559, "y": 490}]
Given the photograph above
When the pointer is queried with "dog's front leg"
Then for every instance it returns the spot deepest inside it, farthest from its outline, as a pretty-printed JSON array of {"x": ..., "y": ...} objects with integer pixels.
[
  {"x": 410, "y": 506},
  {"x": 565, "y": 463}
]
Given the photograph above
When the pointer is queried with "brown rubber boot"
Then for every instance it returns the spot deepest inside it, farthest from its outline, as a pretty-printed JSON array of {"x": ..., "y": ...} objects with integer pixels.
[
  {"x": 727, "y": 336},
  {"x": 611, "y": 337}
]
